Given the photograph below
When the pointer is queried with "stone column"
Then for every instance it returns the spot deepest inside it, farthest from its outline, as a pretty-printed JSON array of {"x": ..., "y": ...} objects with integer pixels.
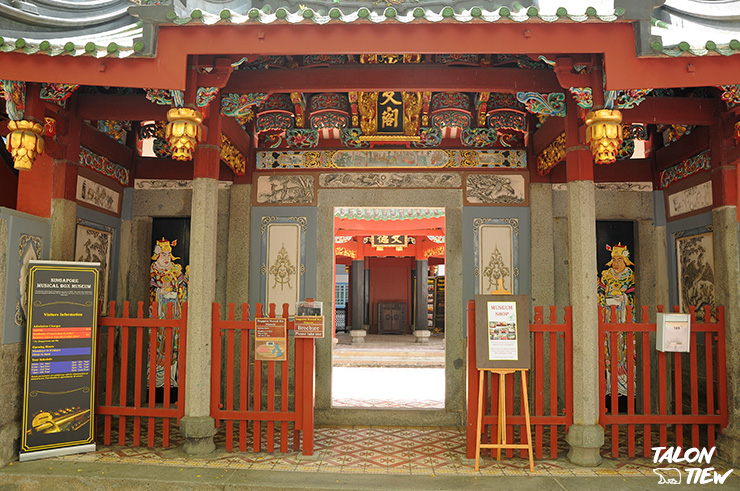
[
  {"x": 357, "y": 293},
  {"x": 727, "y": 289},
  {"x": 422, "y": 275},
  {"x": 585, "y": 436},
  {"x": 197, "y": 426},
  {"x": 240, "y": 219}
]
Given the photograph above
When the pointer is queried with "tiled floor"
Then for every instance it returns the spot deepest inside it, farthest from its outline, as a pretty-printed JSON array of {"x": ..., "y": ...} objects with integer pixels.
[{"x": 373, "y": 450}]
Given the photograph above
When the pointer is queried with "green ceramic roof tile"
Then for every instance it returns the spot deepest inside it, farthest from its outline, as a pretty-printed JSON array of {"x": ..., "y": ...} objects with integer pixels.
[{"x": 676, "y": 28}]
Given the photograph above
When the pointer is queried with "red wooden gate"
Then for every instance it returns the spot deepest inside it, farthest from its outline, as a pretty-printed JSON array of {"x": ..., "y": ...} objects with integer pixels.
[
  {"x": 128, "y": 347},
  {"x": 238, "y": 382},
  {"x": 551, "y": 386},
  {"x": 681, "y": 406}
]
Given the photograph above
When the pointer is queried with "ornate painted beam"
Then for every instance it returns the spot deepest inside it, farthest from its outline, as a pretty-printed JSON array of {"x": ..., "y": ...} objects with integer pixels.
[{"x": 375, "y": 78}]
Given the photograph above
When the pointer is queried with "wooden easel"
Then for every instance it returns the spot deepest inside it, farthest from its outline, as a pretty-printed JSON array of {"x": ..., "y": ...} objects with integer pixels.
[{"x": 501, "y": 434}]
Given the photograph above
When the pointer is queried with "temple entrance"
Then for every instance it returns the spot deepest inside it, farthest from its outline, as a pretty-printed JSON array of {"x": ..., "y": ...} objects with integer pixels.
[{"x": 389, "y": 350}]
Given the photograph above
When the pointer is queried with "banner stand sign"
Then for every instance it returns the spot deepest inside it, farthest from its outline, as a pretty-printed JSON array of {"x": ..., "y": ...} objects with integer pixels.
[{"x": 59, "y": 384}]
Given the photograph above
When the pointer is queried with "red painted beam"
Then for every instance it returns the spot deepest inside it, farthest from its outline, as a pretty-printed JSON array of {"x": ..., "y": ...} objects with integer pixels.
[
  {"x": 119, "y": 108},
  {"x": 673, "y": 110},
  {"x": 157, "y": 168},
  {"x": 623, "y": 70},
  {"x": 234, "y": 132},
  {"x": 409, "y": 77},
  {"x": 545, "y": 134},
  {"x": 695, "y": 142},
  {"x": 106, "y": 146}
]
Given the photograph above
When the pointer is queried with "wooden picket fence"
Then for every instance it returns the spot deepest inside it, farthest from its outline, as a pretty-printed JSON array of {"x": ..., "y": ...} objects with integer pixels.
[
  {"x": 276, "y": 393},
  {"x": 695, "y": 408},
  {"x": 125, "y": 392}
]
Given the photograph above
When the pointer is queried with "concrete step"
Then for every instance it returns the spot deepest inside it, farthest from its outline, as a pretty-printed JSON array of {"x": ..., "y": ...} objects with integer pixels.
[{"x": 388, "y": 358}]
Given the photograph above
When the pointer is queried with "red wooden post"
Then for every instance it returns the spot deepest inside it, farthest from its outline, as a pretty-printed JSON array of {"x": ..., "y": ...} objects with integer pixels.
[
  {"x": 122, "y": 381},
  {"x": 284, "y": 374},
  {"x": 709, "y": 367},
  {"x": 630, "y": 353},
  {"x": 298, "y": 381},
  {"x": 722, "y": 365},
  {"x": 167, "y": 386},
  {"x": 229, "y": 381},
  {"x": 308, "y": 393},
  {"x": 183, "y": 328},
  {"x": 244, "y": 375},
  {"x": 539, "y": 386},
  {"x": 137, "y": 383},
  {"x": 568, "y": 366},
  {"x": 553, "y": 396},
  {"x": 109, "y": 377},
  {"x": 694, "y": 389},
  {"x": 152, "y": 364},
  {"x": 257, "y": 404},
  {"x": 215, "y": 359}
]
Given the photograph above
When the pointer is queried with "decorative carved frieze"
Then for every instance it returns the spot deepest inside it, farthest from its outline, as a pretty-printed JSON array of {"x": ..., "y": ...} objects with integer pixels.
[
  {"x": 551, "y": 155},
  {"x": 285, "y": 189},
  {"x": 411, "y": 158},
  {"x": 389, "y": 180},
  {"x": 495, "y": 189}
]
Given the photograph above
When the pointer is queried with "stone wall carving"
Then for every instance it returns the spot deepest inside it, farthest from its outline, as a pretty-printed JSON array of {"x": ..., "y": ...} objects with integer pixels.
[
  {"x": 389, "y": 180},
  {"x": 495, "y": 189}
]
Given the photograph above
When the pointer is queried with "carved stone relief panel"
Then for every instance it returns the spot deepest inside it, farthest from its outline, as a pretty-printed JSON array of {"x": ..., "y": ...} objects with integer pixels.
[
  {"x": 285, "y": 189},
  {"x": 503, "y": 189},
  {"x": 389, "y": 180}
]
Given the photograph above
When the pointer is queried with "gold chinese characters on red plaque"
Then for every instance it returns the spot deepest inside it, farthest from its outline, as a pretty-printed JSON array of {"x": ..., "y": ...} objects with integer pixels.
[
  {"x": 309, "y": 326},
  {"x": 270, "y": 339}
]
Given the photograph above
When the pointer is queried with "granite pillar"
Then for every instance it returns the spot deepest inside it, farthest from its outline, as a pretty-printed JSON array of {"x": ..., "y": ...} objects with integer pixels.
[
  {"x": 197, "y": 426},
  {"x": 357, "y": 294},
  {"x": 585, "y": 436},
  {"x": 237, "y": 274},
  {"x": 422, "y": 275},
  {"x": 727, "y": 281}
]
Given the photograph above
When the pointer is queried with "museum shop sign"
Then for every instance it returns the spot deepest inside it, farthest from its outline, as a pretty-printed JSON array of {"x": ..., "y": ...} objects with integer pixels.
[{"x": 59, "y": 390}]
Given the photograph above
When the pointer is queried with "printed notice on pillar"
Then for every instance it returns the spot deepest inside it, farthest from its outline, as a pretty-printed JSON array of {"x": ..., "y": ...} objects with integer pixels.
[
  {"x": 502, "y": 331},
  {"x": 309, "y": 326},
  {"x": 270, "y": 339},
  {"x": 59, "y": 380}
]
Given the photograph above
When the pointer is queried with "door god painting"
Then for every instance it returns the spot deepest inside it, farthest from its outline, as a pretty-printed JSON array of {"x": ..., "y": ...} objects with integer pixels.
[
  {"x": 616, "y": 287},
  {"x": 168, "y": 287}
]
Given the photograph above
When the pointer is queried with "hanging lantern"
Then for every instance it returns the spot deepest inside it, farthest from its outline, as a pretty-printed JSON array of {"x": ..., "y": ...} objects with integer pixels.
[
  {"x": 604, "y": 134},
  {"x": 737, "y": 133},
  {"x": 183, "y": 131},
  {"x": 25, "y": 143}
]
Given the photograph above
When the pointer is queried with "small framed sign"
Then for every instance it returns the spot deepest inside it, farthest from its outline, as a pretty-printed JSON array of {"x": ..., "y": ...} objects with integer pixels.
[
  {"x": 270, "y": 339},
  {"x": 502, "y": 331},
  {"x": 673, "y": 332}
]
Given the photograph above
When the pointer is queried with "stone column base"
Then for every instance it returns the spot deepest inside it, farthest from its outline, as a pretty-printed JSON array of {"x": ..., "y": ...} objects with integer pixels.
[
  {"x": 358, "y": 336},
  {"x": 422, "y": 335},
  {"x": 198, "y": 432},
  {"x": 585, "y": 444},
  {"x": 729, "y": 447}
]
